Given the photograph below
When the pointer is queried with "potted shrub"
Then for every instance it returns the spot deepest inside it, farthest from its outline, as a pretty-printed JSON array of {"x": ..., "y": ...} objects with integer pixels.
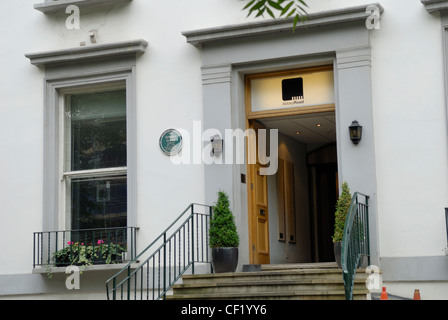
[
  {"x": 342, "y": 207},
  {"x": 224, "y": 239}
]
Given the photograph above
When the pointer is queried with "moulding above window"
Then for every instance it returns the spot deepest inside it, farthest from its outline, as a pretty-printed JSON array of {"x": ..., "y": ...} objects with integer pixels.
[
  {"x": 58, "y": 5},
  {"x": 435, "y": 5},
  {"x": 88, "y": 53},
  {"x": 320, "y": 19}
]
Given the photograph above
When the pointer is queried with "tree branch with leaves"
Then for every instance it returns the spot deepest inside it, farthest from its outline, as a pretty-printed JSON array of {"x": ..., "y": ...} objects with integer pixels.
[{"x": 278, "y": 9}]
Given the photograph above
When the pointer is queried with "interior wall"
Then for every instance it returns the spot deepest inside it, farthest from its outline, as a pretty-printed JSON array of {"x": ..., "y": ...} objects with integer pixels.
[{"x": 285, "y": 251}]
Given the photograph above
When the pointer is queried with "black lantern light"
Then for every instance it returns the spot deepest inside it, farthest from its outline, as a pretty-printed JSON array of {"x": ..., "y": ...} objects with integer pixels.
[
  {"x": 217, "y": 144},
  {"x": 355, "y": 130}
]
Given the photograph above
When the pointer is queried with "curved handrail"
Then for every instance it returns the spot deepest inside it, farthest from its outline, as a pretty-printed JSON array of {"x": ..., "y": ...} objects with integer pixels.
[
  {"x": 166, "y": 240},
  {"x": 355, "y": 241}
]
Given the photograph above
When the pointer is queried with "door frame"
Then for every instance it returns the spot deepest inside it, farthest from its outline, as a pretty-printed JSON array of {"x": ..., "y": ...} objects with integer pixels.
[{"x": 251, "y": 117}]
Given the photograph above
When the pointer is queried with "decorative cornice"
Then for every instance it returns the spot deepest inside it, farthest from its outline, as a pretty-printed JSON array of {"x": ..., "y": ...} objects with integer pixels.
[
  {"x": 353, "y": 57},
  {"x": 61, "y": 5},
  {"x": 88, "y": 53},
  {"x": 216, "y": 74},
  {"x": 435, "y": 5},
  {"x": 272, "y": 26}
]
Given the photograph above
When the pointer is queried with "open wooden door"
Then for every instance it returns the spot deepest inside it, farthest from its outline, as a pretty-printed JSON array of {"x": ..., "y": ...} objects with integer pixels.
[{"x": 258, "y": 208}]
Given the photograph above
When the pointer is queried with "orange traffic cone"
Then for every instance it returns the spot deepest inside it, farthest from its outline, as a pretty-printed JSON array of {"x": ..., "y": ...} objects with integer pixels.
[
  {"x": 384, "y": 294},
  {"x": 417, "y": 294}
]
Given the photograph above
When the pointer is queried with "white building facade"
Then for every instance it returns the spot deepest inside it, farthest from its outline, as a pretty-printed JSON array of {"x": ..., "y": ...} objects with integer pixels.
[{"x": 89, "y": 87}]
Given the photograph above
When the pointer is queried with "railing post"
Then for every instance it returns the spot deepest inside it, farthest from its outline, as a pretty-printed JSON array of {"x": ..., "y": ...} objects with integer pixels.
[
  {"x": 208, "y": 239},
  {"x": 367, "y": 229},
  {"x": 114, "y": 289},
  {"x": 34, "y": 250},
  {"x": 164, "y": 264},
  {"x": 192, "y": 239},
  {"x": 183, "y": 241},
  {"x": 356, "y": 241},
  {"x": 129, "y": 283}
]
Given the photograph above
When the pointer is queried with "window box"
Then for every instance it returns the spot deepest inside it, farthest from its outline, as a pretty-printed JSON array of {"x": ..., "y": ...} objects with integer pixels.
[
  {"x": 61, "y": 5},
  {"x": 87, "y": 247},
  {"x": 81, "y": 254}
]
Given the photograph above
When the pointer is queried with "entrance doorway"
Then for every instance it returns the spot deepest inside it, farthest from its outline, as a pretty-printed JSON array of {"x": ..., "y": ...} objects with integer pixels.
[{"x": 292, "y": 212}]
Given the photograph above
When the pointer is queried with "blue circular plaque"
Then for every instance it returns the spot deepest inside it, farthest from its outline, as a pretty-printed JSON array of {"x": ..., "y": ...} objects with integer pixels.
[{"x": 170, "y": 142}]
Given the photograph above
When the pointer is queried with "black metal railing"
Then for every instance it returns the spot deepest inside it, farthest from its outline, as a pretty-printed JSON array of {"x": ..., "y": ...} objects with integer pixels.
[
  {"x": 84, "y": 247},
  {"x": 355, "y": 242},
  {"x": 160, "y": 265}
]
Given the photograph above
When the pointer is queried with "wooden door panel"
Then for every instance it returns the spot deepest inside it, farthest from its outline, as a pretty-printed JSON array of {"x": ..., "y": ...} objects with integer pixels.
[
  {"x": 258, "y": 210},
  {"x": 261, "y": 189},
  {"x": 290, "y": 202}
]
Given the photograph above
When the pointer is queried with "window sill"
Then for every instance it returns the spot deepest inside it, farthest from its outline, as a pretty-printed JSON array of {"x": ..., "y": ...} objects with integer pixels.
[
  {"x": 100, "y": 267},
  {"x": 61, "y": 5}
]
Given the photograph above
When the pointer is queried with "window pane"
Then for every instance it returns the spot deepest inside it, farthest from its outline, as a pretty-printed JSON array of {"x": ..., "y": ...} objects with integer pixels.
[
  {"x": 99, "y": 203},
  {"x": 98, "y": 130}
]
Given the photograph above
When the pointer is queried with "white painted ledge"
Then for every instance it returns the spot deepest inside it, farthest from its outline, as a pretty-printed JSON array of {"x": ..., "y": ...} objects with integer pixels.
[
  {"x": 86, "y": 53},
  {"x": 61, "y": 5},
  {"x": 435, "y": 5},
  {"x": 271, "y": 26},
  {"x": 100, "y": 267}
]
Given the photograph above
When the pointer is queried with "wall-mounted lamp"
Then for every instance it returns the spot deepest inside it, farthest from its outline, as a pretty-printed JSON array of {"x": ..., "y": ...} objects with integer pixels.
[
  {"x": 355, "y": 130},
  {"x": 217, "y": 144}
]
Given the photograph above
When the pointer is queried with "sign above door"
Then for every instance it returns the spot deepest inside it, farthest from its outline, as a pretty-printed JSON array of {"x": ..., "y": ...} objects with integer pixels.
[{"x": 289, "y": 90}]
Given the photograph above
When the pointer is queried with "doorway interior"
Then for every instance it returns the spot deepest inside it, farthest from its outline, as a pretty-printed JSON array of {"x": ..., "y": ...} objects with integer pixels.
[{"x": 301, "y": 196}]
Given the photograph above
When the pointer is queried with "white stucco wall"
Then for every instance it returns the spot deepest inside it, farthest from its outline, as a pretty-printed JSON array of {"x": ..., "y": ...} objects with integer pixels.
[
  {"x": 409, "y": 115},
  {"x": 410, "y": 127},
  {"x": 411, "y": 131}
]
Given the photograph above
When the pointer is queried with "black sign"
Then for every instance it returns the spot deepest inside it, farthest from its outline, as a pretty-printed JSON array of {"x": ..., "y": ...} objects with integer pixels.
[{"x": 292, "y": 89}]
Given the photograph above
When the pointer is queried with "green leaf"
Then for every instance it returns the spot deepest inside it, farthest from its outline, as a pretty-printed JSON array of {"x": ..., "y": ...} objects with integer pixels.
[
  {"x": 296, "y": 19},
  {"x": 270, "y": 12},
  {"x": 275, "y": 5},
  {"x": 287, "y": 8},
  {"x": 303, "y": 2},
  {"x": 292, "y": 7},
  {"x": 257, "y": 6},
  {"x": 248, "y": 5},
  {"x": 291, "y": 13},
  {"x": 260, "y": 12}
]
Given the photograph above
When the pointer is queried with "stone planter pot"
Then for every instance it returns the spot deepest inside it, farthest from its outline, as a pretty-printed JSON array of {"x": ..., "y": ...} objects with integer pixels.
[
  {"x": 224, "y": 259},
  {"x": 337, "y": 246}
]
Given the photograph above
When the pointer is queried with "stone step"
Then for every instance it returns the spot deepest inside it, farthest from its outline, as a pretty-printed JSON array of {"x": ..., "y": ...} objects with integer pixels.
[
  {"x": 330, "y": 274},
  {"x": 274, "y": 295},
  {"x": 264, "y": 286},
  {"x": 290, "y": 266},
  {"x": 272, "y": 282}
]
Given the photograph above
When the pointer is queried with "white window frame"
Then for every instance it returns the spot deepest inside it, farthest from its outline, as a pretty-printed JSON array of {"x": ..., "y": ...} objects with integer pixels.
[
  {"x": 76, "y": 68},
  {"x": 66, "y": 175},
  {"x": 55, "y": 197}
]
